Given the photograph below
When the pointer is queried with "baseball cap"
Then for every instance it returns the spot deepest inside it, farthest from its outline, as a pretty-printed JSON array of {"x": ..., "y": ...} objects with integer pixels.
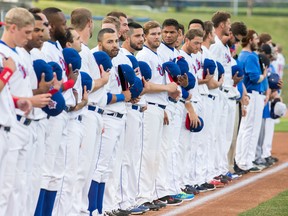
[
  {"x": 273, "y": 79},
  {"x": 40, "y": 66},
  {"x": 145, "y": 70},
  {"x": 192, "y": 129},
  {"x": 128, "y": 73},
  {"x": 57, "y": 69},
  {"x": 237, "y": 68},
  {"x": 191, "y": 81},
  {"x": 134, "y": 61},
  {"x": 172, "y": 69},
  {"x": 210, "y": 65},
  {"x": 182, "y": 63},
  {"x": 86, "y": 80},
  {"x": 220, "y": 69},
  {"x": 56, "y": 105},
  {"x": 102, "y": 58},
  {"x": 278, "y": 108},
  {"x": 263, "y": 59},
  {"x": 136, "y": 88},
  {"x": 71, "y": 56}
]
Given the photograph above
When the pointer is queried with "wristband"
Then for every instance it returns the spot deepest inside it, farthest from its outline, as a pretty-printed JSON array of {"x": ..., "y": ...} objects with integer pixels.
[
  {"x": 67, "y": 85},
  {"x": 120, "y": 97},
  {"x": 6, "y": 74},
  {"x": 15, "y": 99},
  {"x": 109, "y": 98}
]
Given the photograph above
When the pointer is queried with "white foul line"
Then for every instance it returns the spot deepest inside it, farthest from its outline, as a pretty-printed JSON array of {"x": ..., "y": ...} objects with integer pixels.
[{"x": 222, "y": 191}]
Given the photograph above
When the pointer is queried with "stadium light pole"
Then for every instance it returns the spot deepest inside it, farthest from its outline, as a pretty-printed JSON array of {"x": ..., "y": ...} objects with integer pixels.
[{"x": 235, "y": 7}]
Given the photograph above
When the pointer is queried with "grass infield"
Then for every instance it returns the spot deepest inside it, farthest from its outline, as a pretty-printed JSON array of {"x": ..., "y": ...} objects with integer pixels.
[{"x": 276, "y": 206}]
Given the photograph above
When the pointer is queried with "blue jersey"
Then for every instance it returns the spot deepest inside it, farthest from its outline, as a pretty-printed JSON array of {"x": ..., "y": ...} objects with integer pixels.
[{"x": 252, "y": 70}]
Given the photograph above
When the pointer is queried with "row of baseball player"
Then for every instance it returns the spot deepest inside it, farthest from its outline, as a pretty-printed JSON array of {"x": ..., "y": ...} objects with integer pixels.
[{"x": 101, "y": 131}]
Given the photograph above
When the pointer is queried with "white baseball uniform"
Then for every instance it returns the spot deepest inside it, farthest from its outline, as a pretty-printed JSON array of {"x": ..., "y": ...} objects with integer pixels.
[
  {"x": 152, "y": 128},
  {"x": 221, "y": 53}
]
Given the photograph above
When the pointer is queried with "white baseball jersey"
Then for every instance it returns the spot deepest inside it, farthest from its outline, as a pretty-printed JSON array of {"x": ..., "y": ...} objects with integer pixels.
[
  {"x": 167, "y": 53},
  {"x": 53, "y": 52},
  {"x": 28, "y": 59},
  {"x": 221, "y": 53},
  {"x": 207, "y": 54},
  {"x": 155, "y": 63},
  {"x": 90, "y": 66},
  {"x": 19, "y": 82},
  {"x": 193, "y": 69}
]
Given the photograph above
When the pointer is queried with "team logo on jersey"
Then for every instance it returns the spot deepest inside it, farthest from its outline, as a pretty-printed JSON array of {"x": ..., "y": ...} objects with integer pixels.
[
  {"x": 228, "y": 58},
  {"x": 62, "y": 62},
  {"x": 195, "y": 69},
  {"x": 160, "y": 70},
  {"x": 198, "y": 64},
  {"x": 52, "y": 104},
  {"x": 118, "y": 80},
  {"x": 22, "y": 70}
]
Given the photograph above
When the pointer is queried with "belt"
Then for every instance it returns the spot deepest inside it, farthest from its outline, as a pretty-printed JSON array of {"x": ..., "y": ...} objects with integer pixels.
[
  {"x": 233, "y": 98},
  {"x": 138, "y": 108},
  {"x": 24, "y": 120},
  {"x": 7, "y": 129},
  {"x": 159, "y": 105},
  {"x": 211, "y": 96},
  {"x": 79, "y": 118},
  {"x": 172, "y": 100},
  {"x": 68, "y": 108},
  {"x": 116, "y": 114},
  {"x": 261, "y": 93},
  {"x": 97, "y": 109},
  {"x": 182, "y": 101}
]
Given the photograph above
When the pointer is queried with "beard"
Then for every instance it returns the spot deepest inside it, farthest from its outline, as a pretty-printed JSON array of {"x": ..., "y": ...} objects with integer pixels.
[
  {"x": 135, "y": 46},
  {"x": 112, "y": 53},
  {"x": 58, "y": 35},
  {"x": 253, "y": 47}
]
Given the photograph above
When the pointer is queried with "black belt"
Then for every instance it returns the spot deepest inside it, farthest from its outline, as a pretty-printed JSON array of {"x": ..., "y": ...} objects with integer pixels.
[
  {"x": 172, "y": 100},
  {"x": 7, "y": 129},
  {"x": 211, "y": 96},
  {"x": 182, "y": 101},
  {"x": 233, "y": 98},
  {"x": 24, "y": 120},
  {"x": 138, "y": 108},
  {"x": 68, "y": 108},
  {"x": 225, "y": 90},
  {"x": 79, "y": 118},
  {"x": 93, "y": 108},
  {"x": 159, "y": 105},
  {"x": 261, "y": 93},
  {"x": 116, "y": 114}
]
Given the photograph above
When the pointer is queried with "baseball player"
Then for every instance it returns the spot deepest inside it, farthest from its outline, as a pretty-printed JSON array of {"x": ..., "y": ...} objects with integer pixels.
[
  {"x": 92, "y": 117},
  {"x": 114, "y": 117},
  {"x": 19, "y": 22},
  {"x": 250, "y": 124},
  {"x": 133, "y": 133},
  {"x": 53, "y": 166},
  {"x": 157, "y": 99}
]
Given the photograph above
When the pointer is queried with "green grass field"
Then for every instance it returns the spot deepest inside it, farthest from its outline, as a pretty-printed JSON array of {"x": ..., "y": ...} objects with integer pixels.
[
  {"x": 273, "y": 207},
  {"x": 282, "y": 126},
  {"x": 275, "y": 25}
]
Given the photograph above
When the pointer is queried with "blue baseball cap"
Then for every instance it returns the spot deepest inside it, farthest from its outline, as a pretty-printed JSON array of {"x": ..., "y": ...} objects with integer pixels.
[
  {"x": 128, "y": 73},
  {"x": 102, "y": 58},
  {"x": 182, "y": 63},
  {"x": 56, "y": 105},
  {"x": 40, "y": 66},
  {"x": 71, "y": 56},
  {"x": 86, "y": 80},
  {"x": 134, "y": 61},
  {"x": 57, "y": 69},
  {"x": 278, "y": 108},
  {"x": 193, "y": 129},
  {"x": 273, "y": 79},
  {"x": 145, "y": 70},
  {"x": 220, "y": 69},
  {"x": 172, "y": 69},
  {"x": 136, "y": 88},
  {"x": 238, "y": 68},
  {"x": 191, "y": 81},
  {"x": 210, "y": 65}
]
